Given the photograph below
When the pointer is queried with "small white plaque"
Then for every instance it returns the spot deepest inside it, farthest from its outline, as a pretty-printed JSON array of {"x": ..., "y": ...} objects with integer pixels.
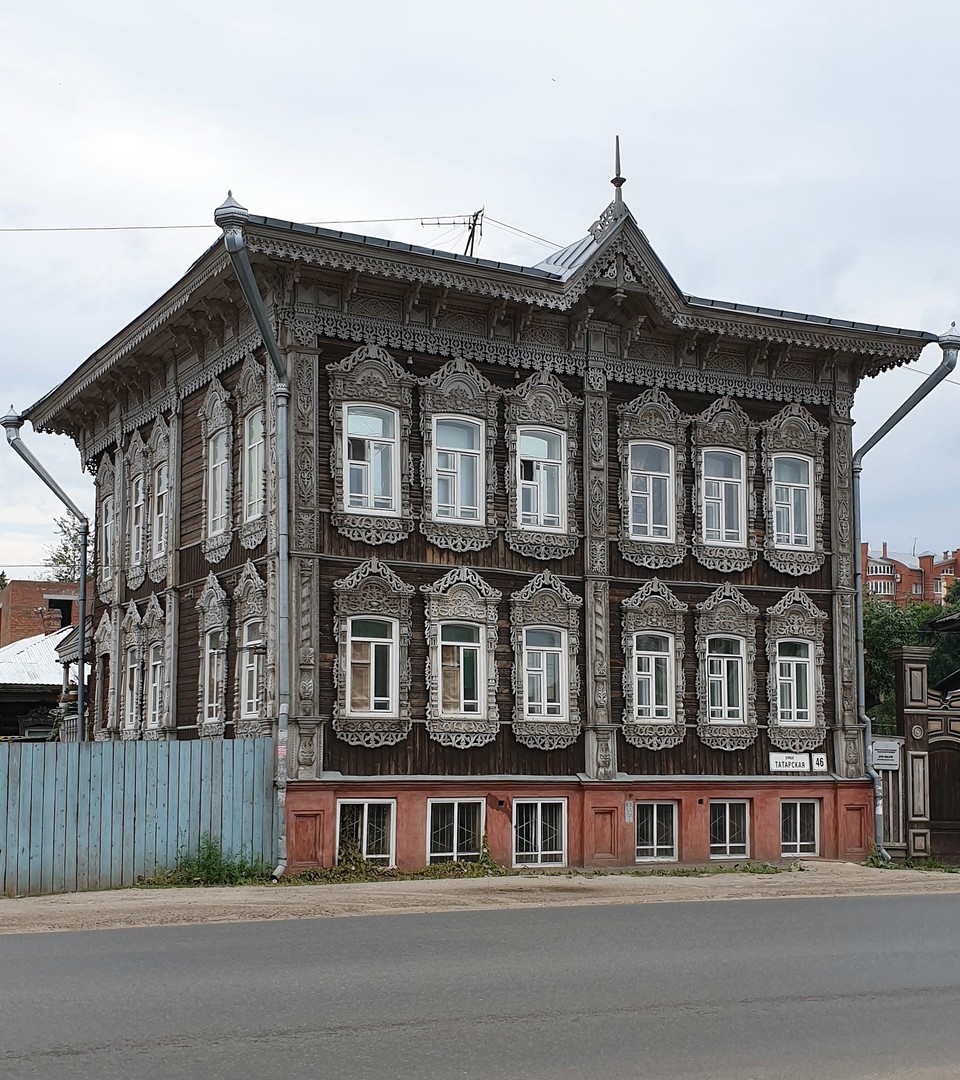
[
  {"x": 791, "y": 763},
  {"x": 818, "y": 762},
  {"x": 628, "y": 811},
  {"x": 886, "y": 754}
]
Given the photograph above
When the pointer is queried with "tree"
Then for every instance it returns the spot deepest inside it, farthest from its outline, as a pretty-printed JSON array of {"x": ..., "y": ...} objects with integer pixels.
[
  {"x": 62, "y": 561},
  {"x": 3, "y": 579}
]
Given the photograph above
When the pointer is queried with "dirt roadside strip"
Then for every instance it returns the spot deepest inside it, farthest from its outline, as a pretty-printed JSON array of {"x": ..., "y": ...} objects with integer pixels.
[{"x": 168, "y": 907}]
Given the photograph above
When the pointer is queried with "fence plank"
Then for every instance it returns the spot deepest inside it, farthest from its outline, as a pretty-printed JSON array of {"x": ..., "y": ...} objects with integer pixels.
[
  {"x": 61, "y": 766},
  {"x": 8, "y": 867},
  {"x": 150, "y": 810},
  {"x": 71, "y": 817},
  {"x": 167, "y": 852},
  {"x": 35, "y": 850},
  {"x": 84, "y": 787}
]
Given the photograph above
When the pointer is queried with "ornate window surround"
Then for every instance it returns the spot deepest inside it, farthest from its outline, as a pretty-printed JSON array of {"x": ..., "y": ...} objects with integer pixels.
[
  {"x": 138, "y": 468},
  {"x": 214, "y": 611},
  {"x": 158, "y": 564},
  {"x": 796, "y": 617},
  {"x": 653, "y": 608},
  {"x": 153, "y": 633},
  {"x": 105, "y": 708},
  {"x": 108, "y": 505},
  {"x": 462, "y": 596},
  {"x": 131, "y": 648},
  {"x": 249, "y": 602},
  {"x": 458, "y": 389},
  {"x": 215, "y": 417},
  {"x": 724, "y": 426},
  {"x": 653, "y": 417},
  {"x": 727, "y": 613},
  {"x": 370, "y": 375},
  {"x": 542, "y": 401},
  {"x": 546, "y": 601},
  {"x": 251, "y": 394},
  {"x": 794, "y": 431},
  {"x": 372, "y": 589}
]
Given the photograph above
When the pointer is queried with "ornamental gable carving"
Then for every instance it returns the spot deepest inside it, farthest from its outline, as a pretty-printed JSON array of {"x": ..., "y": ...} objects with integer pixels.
[
  {"x": 459, "y": 390},
  {"x": 653, "y": 417},
  {"x": 215, "y": 418},
  {"x": 546, "y": 602},
  {"x": 371, "y": 376},
  {"x": 462, "y": 596},
  {"x": 725, "y": 426},
  {"x": 653, "y": 608},
  {"x": 727, "y": 613},
  {"x": 794, "y": 431},
  {"x": 373, "y": 589},
  {"x": 543, "y": 401},
  {"x": 796, "y": 617}
]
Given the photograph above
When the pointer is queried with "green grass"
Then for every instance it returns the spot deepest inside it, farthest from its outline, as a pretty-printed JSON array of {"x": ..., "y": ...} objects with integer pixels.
[
  {"x": 931, "y": 863},
  {"x": 211, "y": 866}
]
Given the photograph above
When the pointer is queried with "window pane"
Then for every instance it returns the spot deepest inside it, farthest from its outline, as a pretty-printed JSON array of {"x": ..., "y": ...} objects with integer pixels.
[
  {"x": 652, "y": 643},
  {"x": 793, "y": 648},
  {"x": 458, "y": 435},
  {"x": 791, "y": 470},
  {"x": 470, "y": 694},
  {"x": 721, "y": 464},
  {"x": 371, "y": 628},
  {"x": 378, "y": 830},
  {"x": 441, "y": 830},
  {"x": 547, "y": 639},
  {"x": 381, "y": 676},
  {"x": 370, "y": 422},
  {"x": 544, "y": 445},
  {"x": 460, "y": 632},
  {"x": 647, "y": 457},
  {"x": 726, "y": 646},
  {"x": 469, "y": 838}
]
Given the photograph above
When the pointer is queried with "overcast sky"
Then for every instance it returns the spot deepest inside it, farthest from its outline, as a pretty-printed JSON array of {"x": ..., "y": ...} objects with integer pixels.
[{"x": 792, "y": 155}]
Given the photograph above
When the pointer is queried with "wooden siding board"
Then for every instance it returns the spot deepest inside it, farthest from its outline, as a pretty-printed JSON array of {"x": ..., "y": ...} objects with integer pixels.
[
  {"x": 71, "y": 811},
  {"x": 117, "y": 822},
  {"x": 10, "y": 772},
  {"x": 34, "y": 875},
  {"x": 150, "y": 798},
  {"x": 84, "y": 787}
]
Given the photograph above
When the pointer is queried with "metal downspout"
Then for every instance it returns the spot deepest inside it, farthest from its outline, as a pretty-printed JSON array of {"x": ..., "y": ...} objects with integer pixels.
[
  {"x": 12, "y": 423},
  {"x": 949, "y": 343},
  {"x": 232, "y": 217}
]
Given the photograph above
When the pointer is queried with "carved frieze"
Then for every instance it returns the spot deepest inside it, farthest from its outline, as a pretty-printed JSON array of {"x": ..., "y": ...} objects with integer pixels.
[{"x": 796, "y": 617}]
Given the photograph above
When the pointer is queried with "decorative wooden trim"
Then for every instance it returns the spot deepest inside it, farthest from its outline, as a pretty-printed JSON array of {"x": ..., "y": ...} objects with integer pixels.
[
  {"x": 726, "y": 612},
  {"x": 249, "y": 602},
  {"x": 214, "y": 611},
  {"x": 215, "y": 417},
  {"x": 250, "y": 395},
  {"x": 796, "y": 616}
]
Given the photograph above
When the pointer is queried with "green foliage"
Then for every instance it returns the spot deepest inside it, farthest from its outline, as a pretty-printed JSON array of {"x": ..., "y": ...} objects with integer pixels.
[
  {"x": 876, "y": 861},
  {"x": 62, "y": 560},
  {"x": 211, "y": 866},
  {"x": 3, "y": 579},
  {"x": 720, "y": 868}
]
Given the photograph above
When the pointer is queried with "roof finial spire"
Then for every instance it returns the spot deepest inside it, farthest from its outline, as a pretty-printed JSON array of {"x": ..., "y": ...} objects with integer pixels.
[{"x": 618, "y": 181}]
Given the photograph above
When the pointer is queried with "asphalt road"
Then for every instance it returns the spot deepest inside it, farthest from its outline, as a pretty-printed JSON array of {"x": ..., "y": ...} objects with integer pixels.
[{"x": 834, "y": 989}]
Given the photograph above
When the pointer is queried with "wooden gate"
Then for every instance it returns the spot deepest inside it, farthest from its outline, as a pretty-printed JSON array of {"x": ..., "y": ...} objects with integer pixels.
[{"x": 104, "y": 815}]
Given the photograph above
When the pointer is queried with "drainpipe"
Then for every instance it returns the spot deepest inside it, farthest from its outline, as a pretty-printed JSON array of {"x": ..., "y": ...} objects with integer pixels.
[
  {"x": 231, "y": 217},
  {"x": 949, "y": 343},
  {"x": 12, "y": 423}
]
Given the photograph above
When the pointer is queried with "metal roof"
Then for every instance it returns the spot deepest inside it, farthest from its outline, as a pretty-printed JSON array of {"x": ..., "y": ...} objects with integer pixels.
[{"x": 33, "y": 661}]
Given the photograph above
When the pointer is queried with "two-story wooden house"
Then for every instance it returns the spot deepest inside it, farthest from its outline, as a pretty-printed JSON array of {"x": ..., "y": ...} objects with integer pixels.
[{"x": 570, "y": 552}]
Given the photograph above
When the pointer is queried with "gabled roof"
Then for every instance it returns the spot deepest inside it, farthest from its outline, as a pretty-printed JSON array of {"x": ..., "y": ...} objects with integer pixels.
[{"x": 33, "y": 661}]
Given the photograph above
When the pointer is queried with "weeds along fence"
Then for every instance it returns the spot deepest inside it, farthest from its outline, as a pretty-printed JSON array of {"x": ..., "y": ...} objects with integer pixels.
[{"x": 103, "y": 815}]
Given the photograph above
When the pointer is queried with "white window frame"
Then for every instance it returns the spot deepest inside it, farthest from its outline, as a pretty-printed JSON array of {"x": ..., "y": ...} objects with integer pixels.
[
  {"x": 787, "y": 505},
  {"x": 726, "y": 844},
  {"x": 479, "y": 649},
  {"x": 656, "y": 712},
  {"x": 562, "y": 705},
  {"x": 455, "y": 855},
  {"x": 540, "y": 853},
  {"x": 138, "y": 507},
  {"x": 722, "y": 713},
  {"x": 739, "y": 485},
  {"x": 252, "y": 651},
  {"x": 800, "y": 670},
  {"x": 131, "y": 687},
  {"x": 543, "y": 469},
  {"x": 377, "y": 859},
  {"x": 368, "y": 507},
  {"x": 649, "y": 478},
  {"x": 655, "y": 851},
  {"x": 159, "y": 504},
  {"x": 107, "y": 537},
  {"x": 218, "y": 483},
  {"x": 155, "y": 676},
  {"x": 478, "y": 457},
  {"x": 213, "y": 676},
  {"x": 254, "y": 451},
  {"x": 794, "y": 848},
  {"x": 392, "y": 705}
]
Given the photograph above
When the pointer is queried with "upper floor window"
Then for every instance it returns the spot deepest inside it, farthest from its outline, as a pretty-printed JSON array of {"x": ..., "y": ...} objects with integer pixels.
[
  {"x": 217, "y": 484},
  {"x": 724, "y": 504},
  {"x": 372, "y": 671},
  {"x": 462, "y": 683},
  {"x": 253, "y": 449},
  {"x": 106, "y": 537},
  {"x": 544, "y": 663},
  {"x": 725, "y": 680},
  {"x": 792, "y": 497},
  {"x": 158, "y": 525},
  {"x": 651, "y": 491},
  {"x": 154, "y": 684},
  {"x": 653, "y": 656},
  {"x": 251, "y": 668},
  {"x": 541, "y": 463},
  {"x": 458, "y": 473},
  {"x": 216, "y": 428},
  {"x": 794, "y": 682},
  {"x": 372, "y": 459},
  {"x": 137, "y": 507}
]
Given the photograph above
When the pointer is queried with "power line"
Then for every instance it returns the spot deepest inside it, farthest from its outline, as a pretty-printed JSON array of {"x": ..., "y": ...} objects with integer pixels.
[{"x": 422, "y": 218}]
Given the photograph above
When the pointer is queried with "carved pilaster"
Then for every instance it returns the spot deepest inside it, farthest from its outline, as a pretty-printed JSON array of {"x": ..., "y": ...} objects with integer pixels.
[
  {"x": 304, "y": 406},
  {"x": 307, "y": 612}
]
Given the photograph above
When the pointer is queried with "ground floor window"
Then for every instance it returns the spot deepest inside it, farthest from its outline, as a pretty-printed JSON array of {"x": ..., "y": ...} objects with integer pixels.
[
  {"x": 455, "y": 831},
  {"x": 370, "y": 826},
  {"x": 656, "y": 830},
  {"x": 729, "y": 830},
  {"x": 800, "y": 827},
  {"x": 539, "y": 832}
]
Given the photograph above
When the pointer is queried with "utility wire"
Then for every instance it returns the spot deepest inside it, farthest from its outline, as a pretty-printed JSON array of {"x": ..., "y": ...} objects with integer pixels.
[{"x": 145, "y": 228}]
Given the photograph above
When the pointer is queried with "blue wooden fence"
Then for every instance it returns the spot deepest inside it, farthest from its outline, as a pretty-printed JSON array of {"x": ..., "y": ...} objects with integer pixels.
[{"x": 103, "y": 815}]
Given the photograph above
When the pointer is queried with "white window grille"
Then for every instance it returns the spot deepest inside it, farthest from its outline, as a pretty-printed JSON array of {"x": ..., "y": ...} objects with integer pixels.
[
  {"x": 154, "y": 684},
  {"x": 794, "y": 682},
  {"x": 651, "y": 491},
  {"x": 799, "y": 827},
  {"x": 539, "y": 832},
  {"x": 253, "y": 451},
  {"x": 725, "y": 680},
  {"x": 724, "y": 503},
  {"x": 372, "y": 672},
  {"x": 251, "y": 668},
  {"x": 793, "y": 501},
  {"x": 217, "y": 480},
  {"x": 541, "y": 464},
  {"x": 653, "y": 657},
  {"x": 158, "y": 525},
  {"x": 372, "y": 459},
  {"x": 455, "y": 830},
  {"x": 544, "y": 666},
  {"x": 458, "y": 473},
  {"x": 462, "y": 679},
  {"x": 213, "y": 677},
  {"x": 136, "y": 520},
  {"x": 729, "y": 830},
  {"x": 656, "y": 830},
  {"x": 369, "y": 827}
]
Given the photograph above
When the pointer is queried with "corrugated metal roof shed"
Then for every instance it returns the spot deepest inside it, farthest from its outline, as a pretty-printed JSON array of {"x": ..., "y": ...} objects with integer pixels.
[{"x": 33, "y": 661}]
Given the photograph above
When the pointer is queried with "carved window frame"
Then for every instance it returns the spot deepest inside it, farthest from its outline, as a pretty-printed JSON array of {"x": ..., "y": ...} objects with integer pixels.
[
  {"x": 108, "y": 510},
  {"x": 542, "y": 401},
  {"x": 545, "y": 601},
  {"x": 249, "y": 603},
  {"x": 370, "y": 376},
  {"x": 795, "y": 432},
  {"x": 727, "y": 613},
  {"x": 462, "y": 596},
  {"x": 215, "y": 419},
  {"x": 725, "y": 426},
  {"x": 653, "y": 417},
  {"x": 458, "y": 389},
  {"x": 105, "y": 704},
  {"x": 153, "y": 628},
  {"x": 159, "y": 562},
  {"x": 137, "y": 458},
  {"x": 653, "y": 608},
  {"x": 796, "y": 617},
  {"x": 131, "y": 659},
  {"x": 250, "y": 394},
  {"x": 214, "y": 609},
  {"x": 372, "y": 589}
]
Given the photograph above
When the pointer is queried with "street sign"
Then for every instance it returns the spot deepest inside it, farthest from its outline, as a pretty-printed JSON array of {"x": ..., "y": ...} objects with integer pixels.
[
  {"x": 791, "y": 763},
  {"x": 886, "y": 754}
]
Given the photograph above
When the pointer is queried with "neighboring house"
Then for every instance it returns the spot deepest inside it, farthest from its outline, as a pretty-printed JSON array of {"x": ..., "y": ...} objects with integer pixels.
[
  {"x": 905, "y": 578},
  {"x": 28, "y": 608},
  {"x": 571, "y": 562},
  {"x": 31, "y": 682}
]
